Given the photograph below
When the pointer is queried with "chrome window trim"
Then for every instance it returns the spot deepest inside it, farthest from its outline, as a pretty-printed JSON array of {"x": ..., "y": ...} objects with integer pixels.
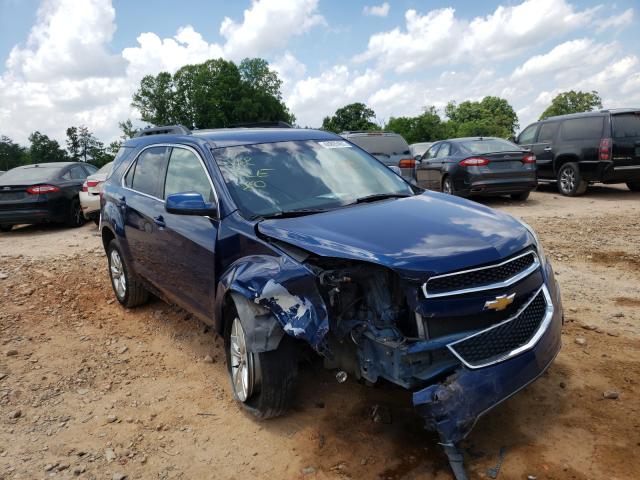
[
  {"x": 546, "y": 321},
  {"x": 171, "y": 145},
  {"x": 628, "y": 167},
  {"x": 503, "y": 284}
]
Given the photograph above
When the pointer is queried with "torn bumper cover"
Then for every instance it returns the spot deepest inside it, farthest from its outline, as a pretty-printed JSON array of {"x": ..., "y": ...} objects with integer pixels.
[{"x": 452, "y": 407}]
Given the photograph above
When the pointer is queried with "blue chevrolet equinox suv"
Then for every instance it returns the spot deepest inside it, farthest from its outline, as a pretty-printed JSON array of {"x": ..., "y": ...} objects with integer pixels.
[{"x": 280, "y": 237}]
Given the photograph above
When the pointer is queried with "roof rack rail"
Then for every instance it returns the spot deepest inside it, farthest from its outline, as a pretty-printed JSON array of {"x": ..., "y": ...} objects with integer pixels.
[
  {"x": 265, "y": 124},
  {"x": 168, "y": 129}
]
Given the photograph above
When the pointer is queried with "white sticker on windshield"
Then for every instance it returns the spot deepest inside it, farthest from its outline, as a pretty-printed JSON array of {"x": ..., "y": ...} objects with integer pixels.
[{"x": 335, "y": 144}]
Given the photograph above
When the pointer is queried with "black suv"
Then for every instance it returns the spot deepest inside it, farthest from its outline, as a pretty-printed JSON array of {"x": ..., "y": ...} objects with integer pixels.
[{"x": 582, "y": 148}]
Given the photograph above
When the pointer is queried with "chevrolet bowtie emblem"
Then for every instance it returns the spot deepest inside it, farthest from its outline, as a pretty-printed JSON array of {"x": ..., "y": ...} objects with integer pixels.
[{"x": 500, "y": 303}]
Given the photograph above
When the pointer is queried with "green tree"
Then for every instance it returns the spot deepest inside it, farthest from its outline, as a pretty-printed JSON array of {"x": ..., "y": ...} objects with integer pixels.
[
  {"x": 127, "y": 129},
  {"x": 44, "y": 149},
  {"x": 355, "y": 116},
  {"x": 426, "y": 127},
  {"x": 213, "y": 94},
  {"x": 572, "y": 102},
  {"x": 73, "y": 144},
  {"x": 11, "y": 154},
  {"x": 492, "y": 116}
]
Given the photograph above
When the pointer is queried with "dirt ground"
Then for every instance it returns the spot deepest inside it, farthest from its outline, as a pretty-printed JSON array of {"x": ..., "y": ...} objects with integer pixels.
[{"x": 91, "y": 390}]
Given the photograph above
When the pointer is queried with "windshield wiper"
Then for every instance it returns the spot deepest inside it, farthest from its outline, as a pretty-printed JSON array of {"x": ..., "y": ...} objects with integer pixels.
[
  {"x": 291, "y": 213},
  {"x": 380, "y": 196}
]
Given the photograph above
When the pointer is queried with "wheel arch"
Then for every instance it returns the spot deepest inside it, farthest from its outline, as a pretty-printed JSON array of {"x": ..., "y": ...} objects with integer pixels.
[{"x": 563, "y": 159}]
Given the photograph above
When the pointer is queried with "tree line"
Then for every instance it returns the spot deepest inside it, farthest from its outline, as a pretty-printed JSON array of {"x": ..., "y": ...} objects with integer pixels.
[
  {"x": 218, "y": 93},
  {"x": 81, "y": 146}
]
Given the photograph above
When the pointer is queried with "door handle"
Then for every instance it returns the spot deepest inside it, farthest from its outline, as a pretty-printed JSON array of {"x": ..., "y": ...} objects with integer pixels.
[
  {"x": 159, "y": 221},
  {"x": 548, "y": 149}
]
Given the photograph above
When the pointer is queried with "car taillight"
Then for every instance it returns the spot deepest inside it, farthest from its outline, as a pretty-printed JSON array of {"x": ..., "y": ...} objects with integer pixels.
[
  {"x": 474, "y": 162},
  {"x": 604, "y": 151},
  {"x": 407, "y": 163},
  {"x": 37, "y": 189},
  {"x": 93, "y": 183},
  {"x": 529, "y": 158},
  {"x": 84, "y": 187}
]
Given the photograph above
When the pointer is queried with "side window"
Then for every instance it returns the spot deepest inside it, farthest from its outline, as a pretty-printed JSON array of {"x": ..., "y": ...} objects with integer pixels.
[
  {"x": 149, "y": 171},
  {"x": 582, "y": 128},
  {"x": 431, "y": 153},
  {"x": 444, "y": 150},
  {"x": 186, "y": 174},
  {"x": 548, "y": 132},
  {"x": 78, "y": 173},
  {"x": 91, "y": 169},
  {"x": 528, "y": 135}
]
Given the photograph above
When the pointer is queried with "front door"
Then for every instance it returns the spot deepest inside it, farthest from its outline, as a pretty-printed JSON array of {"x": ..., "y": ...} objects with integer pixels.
[
  {"x": 187, "y": 243},
  {"x": 544, "y": 147}
]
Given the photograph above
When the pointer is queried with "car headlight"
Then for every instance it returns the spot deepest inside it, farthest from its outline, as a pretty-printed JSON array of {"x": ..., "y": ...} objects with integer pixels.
[{"x": 538, "y": 245}]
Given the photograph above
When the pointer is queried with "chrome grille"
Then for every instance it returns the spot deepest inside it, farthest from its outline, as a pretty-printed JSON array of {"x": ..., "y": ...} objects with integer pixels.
[
  {"x": 499, "y": 275},
  {"x": 508, "y": 338}
]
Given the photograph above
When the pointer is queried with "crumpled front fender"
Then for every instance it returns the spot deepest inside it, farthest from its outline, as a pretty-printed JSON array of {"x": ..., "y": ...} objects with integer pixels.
[{"x": 286, "y": 288}]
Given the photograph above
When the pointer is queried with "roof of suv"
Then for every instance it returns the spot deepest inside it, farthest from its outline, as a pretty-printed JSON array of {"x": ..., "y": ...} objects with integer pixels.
[
  {"x": 226, "y": 137},
  {"x": 613, "y": 111}
]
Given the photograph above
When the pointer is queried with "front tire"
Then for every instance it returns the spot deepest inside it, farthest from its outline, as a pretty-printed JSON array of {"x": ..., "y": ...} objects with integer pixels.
[
  {"x": 129, "y": 291},
  {"x": 520, "y": 197},
  {"x": 633, "y": 186},
  {"x": 263, "y": 383},
  {"x": 76, "y": 217},
  {"x": 570, "y": 182}
]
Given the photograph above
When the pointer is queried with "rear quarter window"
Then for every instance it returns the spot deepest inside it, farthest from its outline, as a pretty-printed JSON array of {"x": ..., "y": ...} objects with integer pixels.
[
  {"x": 586, "y": 128},
  {"x": 626, "y": 125},
  {"x": 382, "y": 144},
  {"x": 149, "y": 171}
]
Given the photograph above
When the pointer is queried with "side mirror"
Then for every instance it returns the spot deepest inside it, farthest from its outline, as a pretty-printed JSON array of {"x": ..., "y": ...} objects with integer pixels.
[
  {"x": 189, "y": 203},
  {"x": 395, "y": 170},
  {"x": 418, "y": 158}
]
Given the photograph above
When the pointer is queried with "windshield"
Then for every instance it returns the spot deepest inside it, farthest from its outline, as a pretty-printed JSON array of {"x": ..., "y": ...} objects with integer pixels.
[
  {"x": 420, "y": 148},
  {"x": 269, "y": 178},
  {"x": 41, "y": 173},
  {"x": 380, "y": 144},
  {"x": 489, "y": 145}
]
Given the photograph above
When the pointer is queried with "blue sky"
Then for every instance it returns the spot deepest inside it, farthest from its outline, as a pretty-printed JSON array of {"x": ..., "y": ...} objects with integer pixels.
[{"x": 70, "y": 62}]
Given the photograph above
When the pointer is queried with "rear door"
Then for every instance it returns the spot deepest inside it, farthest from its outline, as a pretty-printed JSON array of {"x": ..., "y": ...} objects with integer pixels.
[
  {"x": 187, "y": 243},
  {"x": 425, "y": 170},
  {"x": 625, "y": 128},
  {"x": 545, "y": 147},
  {"x": 144, "y": 207},
  {"x": 443, "y": 156}
]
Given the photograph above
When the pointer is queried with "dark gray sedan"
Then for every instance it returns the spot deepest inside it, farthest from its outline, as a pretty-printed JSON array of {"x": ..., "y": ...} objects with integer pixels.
[{"x": 478, "y": 166}]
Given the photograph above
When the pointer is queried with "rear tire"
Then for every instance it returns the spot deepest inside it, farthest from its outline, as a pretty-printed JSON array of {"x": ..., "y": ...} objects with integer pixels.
[
  {"x": 520, "y": 197},
  {"x": 634, "y": 186},
  {"x": 5, "y": 228},
  {"x": 76, "y": 217},
  {"x": 127, "y": 288},
  {"x": 570, "y": 182},
  {"x": 447, "y": 186},
  {"x": 270, "y": 380}
]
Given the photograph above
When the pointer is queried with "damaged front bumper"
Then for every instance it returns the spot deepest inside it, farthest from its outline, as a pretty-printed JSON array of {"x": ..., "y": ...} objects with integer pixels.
[{"x": 453, "y": 406}]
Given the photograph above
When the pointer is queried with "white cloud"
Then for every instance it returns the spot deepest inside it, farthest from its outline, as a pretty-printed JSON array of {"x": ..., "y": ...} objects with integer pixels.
[
  {"x": 66, "y": 75},
  {"x": 267, "y": 25},
  {"x": 566, "y": 57},
  {"x": 615, "y": 21},
  {"x": 377, "y": 10},
  {"x": 439, "y": 37}
]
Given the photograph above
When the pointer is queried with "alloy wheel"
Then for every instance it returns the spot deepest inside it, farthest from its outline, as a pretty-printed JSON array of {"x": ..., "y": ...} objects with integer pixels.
[
  {"x": 117, "y": 274},
  {"x": 447, "y": 187},
  {"x": 241, "y": 362},
  {"x": 567, "y": 180}
]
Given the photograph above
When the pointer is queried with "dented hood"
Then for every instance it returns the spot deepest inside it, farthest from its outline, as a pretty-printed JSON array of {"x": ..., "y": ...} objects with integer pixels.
[{"x": 428, "y": 234}]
